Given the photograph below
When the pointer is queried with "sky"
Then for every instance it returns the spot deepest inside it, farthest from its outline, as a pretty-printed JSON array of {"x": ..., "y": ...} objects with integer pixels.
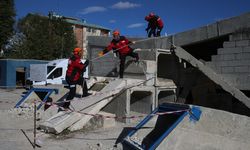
[{"x": 128, "y": 15}]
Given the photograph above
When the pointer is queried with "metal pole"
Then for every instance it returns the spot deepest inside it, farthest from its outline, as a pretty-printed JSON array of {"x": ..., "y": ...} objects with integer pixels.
[
  {"x": 34, "y": 145},
  {"x": 27, "y": 138}
]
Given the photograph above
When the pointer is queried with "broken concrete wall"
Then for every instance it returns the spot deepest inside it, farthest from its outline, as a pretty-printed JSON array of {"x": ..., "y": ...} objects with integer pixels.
[
  {"x": 137, "y": 100},
  {"x": 118, "y": 106},
  {"x": 141, "y": 102},
  {"x": 108, "y": 65},
  {"x": 166, "y": 96},
  {"x": 214, "y": 128},
  {"x": 186, "y": 76},
  {"x": 218, "y": 29},
  {"x": 168, "y": 66}
]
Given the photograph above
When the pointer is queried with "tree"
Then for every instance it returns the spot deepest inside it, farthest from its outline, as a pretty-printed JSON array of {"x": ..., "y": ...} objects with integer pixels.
[
  {"x": 45, "y": 39},
  {"x": 7, "y": 20}
]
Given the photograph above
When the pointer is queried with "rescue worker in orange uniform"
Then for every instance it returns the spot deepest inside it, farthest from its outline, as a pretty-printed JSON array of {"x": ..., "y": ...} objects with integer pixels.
[
  {"x": 74, "y": 74},
  {"x": 155, "y": 25},
  {"x": 120, "y": 45}
]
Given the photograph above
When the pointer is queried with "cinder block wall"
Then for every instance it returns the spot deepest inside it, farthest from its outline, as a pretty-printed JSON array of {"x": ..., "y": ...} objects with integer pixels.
[
  {"x": 108, "y": 65},
  {"x": 233, "y": 60}
]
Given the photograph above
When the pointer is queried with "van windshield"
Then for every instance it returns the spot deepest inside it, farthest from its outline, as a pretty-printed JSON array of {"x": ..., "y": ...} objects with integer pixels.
[{"x": 49, "y": 68}]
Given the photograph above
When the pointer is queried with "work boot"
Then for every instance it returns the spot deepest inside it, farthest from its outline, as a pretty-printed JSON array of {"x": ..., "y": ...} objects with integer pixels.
[
  {"x": 136, "y": 60},
  {"x": 86, "y": 94}
]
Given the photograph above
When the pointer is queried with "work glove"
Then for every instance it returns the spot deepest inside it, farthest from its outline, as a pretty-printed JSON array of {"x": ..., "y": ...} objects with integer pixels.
[{"x": 100, "y": 54}]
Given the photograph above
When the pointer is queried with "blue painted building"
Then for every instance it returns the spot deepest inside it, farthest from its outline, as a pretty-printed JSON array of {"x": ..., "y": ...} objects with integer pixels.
[{"x": 14, "y": 72}]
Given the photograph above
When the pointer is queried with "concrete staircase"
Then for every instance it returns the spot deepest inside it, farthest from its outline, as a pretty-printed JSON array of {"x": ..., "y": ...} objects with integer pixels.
[
  {"x": 232, "y": 61},
  {"x": 218, "y": 79}
]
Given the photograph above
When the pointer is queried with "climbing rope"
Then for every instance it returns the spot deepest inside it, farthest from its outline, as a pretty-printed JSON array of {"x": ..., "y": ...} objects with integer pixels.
[{"x": 121, "y": 48}]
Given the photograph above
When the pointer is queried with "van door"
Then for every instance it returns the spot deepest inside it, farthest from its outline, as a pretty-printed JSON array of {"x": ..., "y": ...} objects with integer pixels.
[{"x": 56, "y": 76}]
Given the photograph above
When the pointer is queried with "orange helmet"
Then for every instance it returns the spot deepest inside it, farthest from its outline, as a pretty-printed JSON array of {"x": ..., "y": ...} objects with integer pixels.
[
  {"x": 116, "y": 32},
  {"x": 77, "y": 50}
]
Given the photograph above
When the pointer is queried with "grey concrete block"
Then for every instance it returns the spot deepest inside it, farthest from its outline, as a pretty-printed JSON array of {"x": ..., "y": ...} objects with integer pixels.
[
  {"x": 238, "y": 56},
  {"x": 228, "y": 63},
  {"x": 240, "y": 35},
  {"x": 243, "y": 62},
  {"x": 164, "y": 43},
  {"x": 245, "y": 36},
  {"x": 228, "y": 57},
  {"x": 231, "y": 37},
  {"x": 146, "y": 55},
  {"x": 133, "y": 68},
  {"x": 243, "y": 56},
  {"x": 214, "y": 67},
  {"x": 235, "y": 37},
  {"x": 227, "y": 69},
  {"x": 218, "y": 69},
  {"x": 56, "y": 124},
  {"x": 229, "y": 50},
  {"x": 212, "y": 30},
  {"x": 242, "y": 43},
  {"x": 246, "y": 49},
  {"x": 217, "y": 58},
  {"x": 241, "y": 69},
  {"x": 145, "y": 43},
  {"x": 229, "y": 44},
  {"x": 104, "y": 120},
  {"x": 191, "y": 36},
  {"x": 235, "y": 23}
]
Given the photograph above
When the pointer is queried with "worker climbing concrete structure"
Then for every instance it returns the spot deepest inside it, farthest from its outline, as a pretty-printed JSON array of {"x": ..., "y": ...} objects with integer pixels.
[{"x": 165, "y": 75}]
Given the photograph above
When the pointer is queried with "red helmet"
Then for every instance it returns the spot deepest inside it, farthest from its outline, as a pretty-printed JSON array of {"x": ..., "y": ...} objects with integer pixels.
[
  {"x": 147, "y": 18},
  {"x": 116, "y": 32},
  {"x": 77, "y": 50},
  {"x": 151, "y": 14}
]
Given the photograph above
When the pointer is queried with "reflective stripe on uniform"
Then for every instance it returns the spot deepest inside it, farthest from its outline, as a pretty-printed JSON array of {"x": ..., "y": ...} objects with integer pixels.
[{"x": 73, "y": 85}]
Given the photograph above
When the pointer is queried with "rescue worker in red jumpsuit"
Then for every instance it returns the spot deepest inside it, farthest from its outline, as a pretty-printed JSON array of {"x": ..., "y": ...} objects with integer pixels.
[
  {"x": 74, "y": 74},
  {"x": 155, "y": 25},
  {"x": 120, "y": 45}
]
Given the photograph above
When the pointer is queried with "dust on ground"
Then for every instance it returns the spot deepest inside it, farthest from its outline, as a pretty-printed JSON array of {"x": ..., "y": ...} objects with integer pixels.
[{"x": 12, "y": 138}]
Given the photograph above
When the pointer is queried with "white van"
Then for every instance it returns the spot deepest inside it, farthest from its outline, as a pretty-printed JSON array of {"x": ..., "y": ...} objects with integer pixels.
[{"x": 52, "y": 73}]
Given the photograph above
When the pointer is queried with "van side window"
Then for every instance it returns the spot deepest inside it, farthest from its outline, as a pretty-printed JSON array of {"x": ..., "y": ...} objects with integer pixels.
[
  {"x": 50, "y": 68},
  {"x": 56, "y": 73}
]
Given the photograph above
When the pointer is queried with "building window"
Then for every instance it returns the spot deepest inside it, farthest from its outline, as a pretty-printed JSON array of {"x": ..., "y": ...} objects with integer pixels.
[
  {"x": 88, "y": 29},
  {"x": 93, "y": 30}
]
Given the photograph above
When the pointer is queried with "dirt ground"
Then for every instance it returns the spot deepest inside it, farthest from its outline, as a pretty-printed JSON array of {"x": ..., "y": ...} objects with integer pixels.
[{"x": 12, "y": 138}]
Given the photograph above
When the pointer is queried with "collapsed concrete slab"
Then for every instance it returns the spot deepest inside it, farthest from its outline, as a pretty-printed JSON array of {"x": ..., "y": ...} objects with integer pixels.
[
  {"x": 56, "y": 124},
  {"x": 85, "y": 106},
  {"x": 95, "y": 105}
]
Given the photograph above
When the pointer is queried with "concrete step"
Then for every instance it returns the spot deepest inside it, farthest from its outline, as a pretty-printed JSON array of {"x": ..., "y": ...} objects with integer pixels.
[{"x": 182, "y": 54}]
